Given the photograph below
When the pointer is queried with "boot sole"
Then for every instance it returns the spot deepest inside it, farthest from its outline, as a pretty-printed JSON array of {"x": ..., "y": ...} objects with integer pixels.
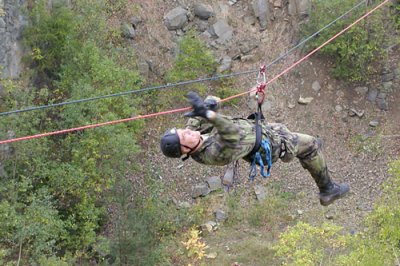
[{"x": 329, "y": 202}]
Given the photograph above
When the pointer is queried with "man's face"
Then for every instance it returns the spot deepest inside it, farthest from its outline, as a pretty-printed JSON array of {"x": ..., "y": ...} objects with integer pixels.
[{"x": 189, "y": 138}]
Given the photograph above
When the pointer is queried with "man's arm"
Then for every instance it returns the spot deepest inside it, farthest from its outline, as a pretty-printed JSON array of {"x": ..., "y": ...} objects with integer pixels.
[{"x": 227, "y": 130}]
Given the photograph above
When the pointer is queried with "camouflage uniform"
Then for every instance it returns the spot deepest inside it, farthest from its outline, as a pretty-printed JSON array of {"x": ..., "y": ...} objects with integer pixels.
[{"x": 230, "y": 139}]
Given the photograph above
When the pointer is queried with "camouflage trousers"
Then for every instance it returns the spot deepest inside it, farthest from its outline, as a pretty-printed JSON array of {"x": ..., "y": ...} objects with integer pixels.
[{"x": 287, "y": 145}]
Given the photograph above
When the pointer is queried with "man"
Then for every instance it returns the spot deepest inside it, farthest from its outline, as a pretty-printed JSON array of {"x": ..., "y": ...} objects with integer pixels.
[{"x": 232, "y": 139}]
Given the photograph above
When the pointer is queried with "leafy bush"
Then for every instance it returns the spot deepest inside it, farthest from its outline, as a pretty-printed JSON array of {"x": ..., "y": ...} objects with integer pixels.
[
  {"x": 304, "y": 244},
  {"x": 144, "y": 224},
  {"x": 53, "y": 188},
  {"x": 358, "y": 52},
  {"x": 193, "y": 60}
]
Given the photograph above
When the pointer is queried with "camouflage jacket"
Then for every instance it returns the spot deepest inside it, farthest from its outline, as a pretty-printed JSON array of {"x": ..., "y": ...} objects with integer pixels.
[{"x": 232, "y": 139}]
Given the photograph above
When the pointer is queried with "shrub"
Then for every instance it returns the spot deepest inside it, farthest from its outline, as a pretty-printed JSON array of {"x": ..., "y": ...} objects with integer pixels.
[
  {"x": 193, "y": 60},
  {"x": 358, "y": 52},
  {"x": 53, "y": 195}
]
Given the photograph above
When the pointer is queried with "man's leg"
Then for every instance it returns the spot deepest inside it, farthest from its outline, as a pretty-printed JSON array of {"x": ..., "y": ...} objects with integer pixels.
[{"x": 309, "y": 152}]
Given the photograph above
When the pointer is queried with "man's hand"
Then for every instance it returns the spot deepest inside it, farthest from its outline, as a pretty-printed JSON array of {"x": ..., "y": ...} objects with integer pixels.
[{"x": 199, "y": 109}]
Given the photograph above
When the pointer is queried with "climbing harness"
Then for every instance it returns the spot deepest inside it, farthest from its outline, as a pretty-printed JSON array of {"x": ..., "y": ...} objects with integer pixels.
[{"x": 260, "y": 143}]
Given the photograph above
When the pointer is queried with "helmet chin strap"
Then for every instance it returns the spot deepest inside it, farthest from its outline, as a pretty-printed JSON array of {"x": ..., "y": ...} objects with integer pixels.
[{"x": 191, "y": 149}]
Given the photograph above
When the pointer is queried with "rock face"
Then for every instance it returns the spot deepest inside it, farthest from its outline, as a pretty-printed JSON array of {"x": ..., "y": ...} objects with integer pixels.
[
  {"x": 261, "y": 11},
  {"x": 11, "y": 24},
  {"x": 299, "y": 7}
]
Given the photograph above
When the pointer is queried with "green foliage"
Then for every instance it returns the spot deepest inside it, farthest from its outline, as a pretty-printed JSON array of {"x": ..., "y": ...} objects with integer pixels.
[
  {"x": 53, "y": 188},
  {"x": 143, "y": 224},
  {"x": 269, "y": 212},
  {"x": 367, "y": 144},
  {"x": 51, "y": 34},
  {"x": 193, "y": 60},
  {"x": 356, "y": 52},
  {"x": 304, "y": 244},
  {"x": 385, "y": 220}
]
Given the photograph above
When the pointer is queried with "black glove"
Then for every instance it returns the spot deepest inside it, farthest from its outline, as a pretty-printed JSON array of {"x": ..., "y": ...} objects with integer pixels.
[
  {"x": 199, "y": 109},
  {"x": 211, "y": 104}
]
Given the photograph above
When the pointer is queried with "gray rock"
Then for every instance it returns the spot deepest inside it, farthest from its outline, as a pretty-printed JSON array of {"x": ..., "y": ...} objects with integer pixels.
[
  {"x": 372, "y": 93},
  {"x": 209, "y": 226},
  {"x": 176, "y": 18},
  {"x": 201, "y": 25},
  {"x": 316, "y": 86},
  {"x": 200, "y": 190},
  {"x": 232, "y": 2},
  {"x": 136, "y": 21},
  {"x": 382, "y": 104},
  {"x": 247, "y": 58},
  {"x": 305, "y": 100},
  {"x": 260, "y": 192},
  {"x": 220, "y": 215},
  {"x": 214, "y": 183},
  {"x": 329, "y": 216},
  {"x": 373, "y": 123},
  {"x": 128, "y": 31},
  {"x": 387, "y": 86},
  {"x": 226, "y": 64},
  {"x": 397, "y": 73},
  {"x": 361, "y": 90},
  {"x": 338, "y": 108},
  {"x": 227, "y": 180},
  {"x": 267, "y": 105},
  {"x": 183, "y": 205},
  {"x": 387, "y": 77},
  {"x": 381, "y": 95},
  {"x": 248, "y": 47},
  {"x": 203, "y": 11},
  {"x": 277, "y": 3},
  {"x": 354, "y": 112},
  {"x": 261, "y": 11},
  {"x": 222, "y": 30},
  {"x": 251, "y": 20}
]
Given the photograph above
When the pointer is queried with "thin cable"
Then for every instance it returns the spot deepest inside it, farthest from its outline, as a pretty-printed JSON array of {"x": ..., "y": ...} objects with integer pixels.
[
  {"x": 188, "y": 108},
  {"x": 185, "y": 82}
]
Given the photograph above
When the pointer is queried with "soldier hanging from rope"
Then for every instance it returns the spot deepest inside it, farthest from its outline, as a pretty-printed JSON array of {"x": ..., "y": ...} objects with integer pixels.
[{"x": 214, "y": 139}]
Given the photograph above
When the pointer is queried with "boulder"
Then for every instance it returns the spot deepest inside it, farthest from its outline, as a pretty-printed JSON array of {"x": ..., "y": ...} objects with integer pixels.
[
  {"x": 225, "y": 65},
  {"x": 214, "y": 183},
  {"x": 222, "y": 30},
  {"x": 176, "y": 18},
  {"x": 203, "y": 11},
  {"x": 200, "y": 190},
  {"x": 261, "y": 11},
  {"x": 128, "y": 31}
]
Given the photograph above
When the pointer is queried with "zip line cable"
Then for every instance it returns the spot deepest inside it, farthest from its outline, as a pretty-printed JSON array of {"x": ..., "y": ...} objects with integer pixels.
[
  {"x": 188, "y": 108},
  {"x": 276, "y": 60}
]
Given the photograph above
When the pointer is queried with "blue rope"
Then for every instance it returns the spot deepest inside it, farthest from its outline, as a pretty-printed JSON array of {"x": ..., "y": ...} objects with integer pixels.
[{"x": 258, "y": 159}]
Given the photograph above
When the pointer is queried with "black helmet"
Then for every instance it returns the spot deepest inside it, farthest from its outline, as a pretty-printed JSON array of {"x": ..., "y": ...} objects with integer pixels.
[{"x": 170, "y": 144}]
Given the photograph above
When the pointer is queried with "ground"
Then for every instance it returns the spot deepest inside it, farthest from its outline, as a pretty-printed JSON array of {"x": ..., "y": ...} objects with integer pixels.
[{"x": 356, "y": 152}]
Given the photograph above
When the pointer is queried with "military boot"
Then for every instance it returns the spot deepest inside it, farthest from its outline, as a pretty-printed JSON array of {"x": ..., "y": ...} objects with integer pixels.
[
  {"x": 329, "y": 190},
  {"x": 332, "y": 192}
]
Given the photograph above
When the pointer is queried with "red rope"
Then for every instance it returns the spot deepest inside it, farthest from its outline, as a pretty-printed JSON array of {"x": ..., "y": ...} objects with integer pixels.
[{"x": 188, "y": 108}]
